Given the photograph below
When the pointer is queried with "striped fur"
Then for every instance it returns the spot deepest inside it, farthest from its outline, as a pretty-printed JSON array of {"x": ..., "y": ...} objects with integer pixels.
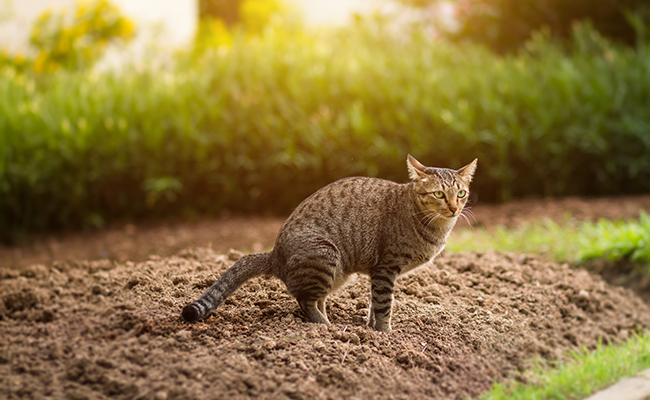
[{"x": 354, "y": 225}]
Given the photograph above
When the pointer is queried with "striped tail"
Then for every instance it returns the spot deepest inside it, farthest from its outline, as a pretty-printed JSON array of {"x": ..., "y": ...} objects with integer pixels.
[{"x": 246, "y": 268}]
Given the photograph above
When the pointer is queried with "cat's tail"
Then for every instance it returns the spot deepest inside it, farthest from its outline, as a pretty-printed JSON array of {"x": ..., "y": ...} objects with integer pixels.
[{"x": 246, "y": 268}]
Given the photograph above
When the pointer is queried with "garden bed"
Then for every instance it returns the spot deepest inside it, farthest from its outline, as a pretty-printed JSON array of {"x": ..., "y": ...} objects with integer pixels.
[{"x": 100, "y": 329}]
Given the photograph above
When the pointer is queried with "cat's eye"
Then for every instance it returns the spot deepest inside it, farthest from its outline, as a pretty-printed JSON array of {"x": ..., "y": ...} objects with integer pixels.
[
  {"x": 438, "y": 194},
  {"x": 462, "y": 194}
]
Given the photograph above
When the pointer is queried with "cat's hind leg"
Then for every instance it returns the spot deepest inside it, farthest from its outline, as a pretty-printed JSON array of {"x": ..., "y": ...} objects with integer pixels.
[
  {"x": 321, "y": 306},
  {"x": 313, "y": 312},
  {"x": 311, "y": 276}
]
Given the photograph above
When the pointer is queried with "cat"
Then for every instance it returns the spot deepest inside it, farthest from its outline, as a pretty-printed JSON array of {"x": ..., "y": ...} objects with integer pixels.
[{"x": 354, "y": 225}]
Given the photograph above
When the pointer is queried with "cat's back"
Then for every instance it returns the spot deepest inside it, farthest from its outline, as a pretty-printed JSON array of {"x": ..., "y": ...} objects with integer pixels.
[
  {"x": 348, "y": 208},
  {"x": 348, "y": 198}
]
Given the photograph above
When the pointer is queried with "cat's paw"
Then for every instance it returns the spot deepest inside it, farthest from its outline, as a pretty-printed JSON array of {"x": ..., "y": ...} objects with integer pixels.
[{"x": 382, "y": 327}]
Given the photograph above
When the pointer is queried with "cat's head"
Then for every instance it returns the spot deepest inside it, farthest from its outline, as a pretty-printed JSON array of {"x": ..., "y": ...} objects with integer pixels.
[{"x": 441, "y": 192}]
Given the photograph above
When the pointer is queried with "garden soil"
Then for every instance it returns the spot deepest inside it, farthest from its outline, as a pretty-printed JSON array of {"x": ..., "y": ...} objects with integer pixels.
[
  {"x": 100, "y": 329},
  {"x": 108, "y": 328}
]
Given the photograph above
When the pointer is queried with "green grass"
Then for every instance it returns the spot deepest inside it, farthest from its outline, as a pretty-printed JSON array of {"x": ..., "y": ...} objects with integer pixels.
[
  {"x": 559, "y": 242},
  {"x": 617, "y": 241},
  {"x": 582, "y": 375},
  {"x": 572, "y": 241}
]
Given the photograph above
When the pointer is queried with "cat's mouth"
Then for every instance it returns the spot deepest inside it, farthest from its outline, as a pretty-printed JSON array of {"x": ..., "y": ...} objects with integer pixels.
[{"x": 452, "y": 214}]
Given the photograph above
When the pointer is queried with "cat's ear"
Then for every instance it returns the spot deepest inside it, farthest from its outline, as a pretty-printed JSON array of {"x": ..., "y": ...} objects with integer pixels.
[
  {"x": 417, "y": 171},
  {"x": 467, "y": 172}
]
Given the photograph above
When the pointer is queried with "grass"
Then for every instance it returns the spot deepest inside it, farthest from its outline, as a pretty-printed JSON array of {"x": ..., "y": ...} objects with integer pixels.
[
  {"x": 571, "y": 241},
  {"x": 617, "y": 241},
  {"x": 575, "y": 242},
  {"x": 552, "y": 240},
  {"x": 584, "y": 373}
]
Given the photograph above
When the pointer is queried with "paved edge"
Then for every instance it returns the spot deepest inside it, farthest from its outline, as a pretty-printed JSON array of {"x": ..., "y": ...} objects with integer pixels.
[{"x": 633, "y": 388}]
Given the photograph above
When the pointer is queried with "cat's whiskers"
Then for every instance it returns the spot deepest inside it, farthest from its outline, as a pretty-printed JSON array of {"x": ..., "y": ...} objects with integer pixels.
[
  {"x": 425, "y": 215},
  {"x": 429, "y": 217},
  {"x": 422, "y": 212},
  {"x": 467, "y": 212},
  {"x": 433, "y": 216},
  {"x": 467, "y": 220}
]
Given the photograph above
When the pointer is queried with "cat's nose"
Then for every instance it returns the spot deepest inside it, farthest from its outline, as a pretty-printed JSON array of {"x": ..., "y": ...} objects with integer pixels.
[{"x": 453, "y": 210}]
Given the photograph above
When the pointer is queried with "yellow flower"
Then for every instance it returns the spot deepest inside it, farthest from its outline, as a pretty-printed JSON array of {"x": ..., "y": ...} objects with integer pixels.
[
  {"x": 77, "y": 39},
  {"x": 126, "y": 29}
]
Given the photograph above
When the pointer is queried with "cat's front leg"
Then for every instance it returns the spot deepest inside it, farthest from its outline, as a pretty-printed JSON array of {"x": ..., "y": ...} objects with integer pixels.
[{"x": 381, "y": 300}]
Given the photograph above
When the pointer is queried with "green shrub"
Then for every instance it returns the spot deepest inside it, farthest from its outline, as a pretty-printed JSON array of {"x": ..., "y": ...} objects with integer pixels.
[{"x": 261, "y": 124}]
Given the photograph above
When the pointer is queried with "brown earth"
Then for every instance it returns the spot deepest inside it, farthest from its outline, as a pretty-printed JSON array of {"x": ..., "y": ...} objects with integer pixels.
[{"x": 110, "y": 329}]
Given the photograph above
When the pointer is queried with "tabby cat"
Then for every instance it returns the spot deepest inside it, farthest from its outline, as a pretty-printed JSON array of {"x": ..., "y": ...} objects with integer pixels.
[{"x": 354, "y": 225}]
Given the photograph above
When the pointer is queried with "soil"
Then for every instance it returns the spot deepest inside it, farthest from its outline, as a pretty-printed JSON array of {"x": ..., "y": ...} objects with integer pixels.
[{"x": 110, "y": 328}]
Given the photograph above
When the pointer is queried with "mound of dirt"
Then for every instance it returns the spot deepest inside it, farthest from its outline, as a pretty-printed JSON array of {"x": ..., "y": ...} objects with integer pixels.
[{"x": 101, "y": 329}]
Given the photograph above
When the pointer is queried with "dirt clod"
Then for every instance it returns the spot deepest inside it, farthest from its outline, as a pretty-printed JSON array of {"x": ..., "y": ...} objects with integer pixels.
[{"x": 21, "y": 300}]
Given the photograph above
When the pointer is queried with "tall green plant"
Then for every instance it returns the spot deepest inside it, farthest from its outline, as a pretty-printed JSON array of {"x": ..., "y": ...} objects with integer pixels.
[{"x": 260, "y": 124}]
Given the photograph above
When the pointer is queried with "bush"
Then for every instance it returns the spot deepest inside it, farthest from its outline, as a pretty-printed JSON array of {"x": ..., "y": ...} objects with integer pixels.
[{"x": 259, "y": 125}]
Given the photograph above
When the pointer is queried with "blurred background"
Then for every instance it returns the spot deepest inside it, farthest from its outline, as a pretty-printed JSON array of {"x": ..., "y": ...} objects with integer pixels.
[{"x": 141, "y": 110}]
